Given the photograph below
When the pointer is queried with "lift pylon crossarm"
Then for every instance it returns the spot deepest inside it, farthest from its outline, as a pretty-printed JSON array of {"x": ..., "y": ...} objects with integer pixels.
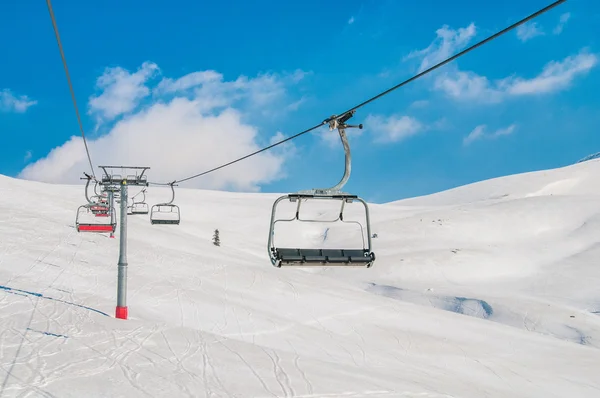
[{"x": 130, "y": 179}]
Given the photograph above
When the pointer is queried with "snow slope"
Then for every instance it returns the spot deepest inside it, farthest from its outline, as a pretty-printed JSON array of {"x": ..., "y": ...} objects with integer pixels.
[{"x": 487, "y": 290}]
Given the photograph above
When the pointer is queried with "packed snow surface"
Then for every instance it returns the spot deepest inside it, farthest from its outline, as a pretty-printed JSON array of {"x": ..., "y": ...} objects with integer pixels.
[{"x": 486, "y": 290}]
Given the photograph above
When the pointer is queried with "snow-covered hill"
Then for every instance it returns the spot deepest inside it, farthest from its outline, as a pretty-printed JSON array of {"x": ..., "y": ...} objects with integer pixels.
[
  {"x": 590, "y": 157},
  {"x": 487, "y": 290}
]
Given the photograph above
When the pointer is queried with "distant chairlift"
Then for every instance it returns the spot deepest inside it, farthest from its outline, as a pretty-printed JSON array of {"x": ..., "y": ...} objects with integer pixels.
[
  {"x": 293, "y": 256},
  {"x": 100, "y": 203},
  {"x": 165, "y": 213},
  {"x": 140, "y": 207},
  {"x": 88, "y": 214},
  {"x": 99, "y": 207}
]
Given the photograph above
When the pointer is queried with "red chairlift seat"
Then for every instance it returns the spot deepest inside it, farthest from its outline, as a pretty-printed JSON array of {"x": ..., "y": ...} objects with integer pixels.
[
  {"x": 95, "y": 228},
  {"x": 85, "y": 223}
]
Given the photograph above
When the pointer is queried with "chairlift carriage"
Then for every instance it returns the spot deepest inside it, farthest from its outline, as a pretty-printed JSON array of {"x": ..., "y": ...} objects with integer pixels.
[
  {"x": 140, "y": 207},
  {"x": 95, "y": 216},
  {"x": 342, "y": 254},
  {"x": 99, "y": 203},
  {"x": 165, "y": 213}
]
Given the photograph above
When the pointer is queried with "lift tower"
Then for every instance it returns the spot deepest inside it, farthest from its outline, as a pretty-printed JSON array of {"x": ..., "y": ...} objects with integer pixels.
[{"x": 130, "y": 175}]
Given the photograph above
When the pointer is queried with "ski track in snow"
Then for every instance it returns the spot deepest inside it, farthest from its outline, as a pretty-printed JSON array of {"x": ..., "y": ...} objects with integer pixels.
[{"x": 484, "y": 290}]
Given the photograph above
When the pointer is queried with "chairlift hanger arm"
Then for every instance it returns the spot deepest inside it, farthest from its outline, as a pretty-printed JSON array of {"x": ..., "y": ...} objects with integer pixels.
[
  {"x": 171, "y": 184},
  {"x": 339, "y": 123},
  {"x": 143, "y": 192},
  {"x": 134, "y": 180},
  {"x": 87, "y": 184},
  {"x": 172, "y": 193}
]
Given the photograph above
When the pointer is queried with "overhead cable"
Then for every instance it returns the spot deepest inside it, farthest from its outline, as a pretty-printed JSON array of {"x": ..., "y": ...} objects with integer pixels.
[
  {"x": 62, "y": 54},
  {"x": 421, "y": 74}
]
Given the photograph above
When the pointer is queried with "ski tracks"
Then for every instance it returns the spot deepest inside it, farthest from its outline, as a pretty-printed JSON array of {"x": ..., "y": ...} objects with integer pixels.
[{"x": 280, "y": 375}]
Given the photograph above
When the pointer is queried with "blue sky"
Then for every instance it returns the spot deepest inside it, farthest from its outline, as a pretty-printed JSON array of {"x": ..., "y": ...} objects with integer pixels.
[{"x": 184, "y": 86}]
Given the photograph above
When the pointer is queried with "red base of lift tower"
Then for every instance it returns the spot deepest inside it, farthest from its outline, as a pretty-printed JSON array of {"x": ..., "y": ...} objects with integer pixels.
[{"x": 121, "y": 312}]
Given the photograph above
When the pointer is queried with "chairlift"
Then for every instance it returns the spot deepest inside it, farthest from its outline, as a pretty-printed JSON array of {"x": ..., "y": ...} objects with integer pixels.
[
  {"x": 165, "y": 213},
  {"x": 100, "y": 210},
  {"x": 140, "y": 207},
  {"x": 99, "y": 202},
  {"x": 87, "y": 214},
  {"x": 98, "y": 207},
  {"x": 84, "y": 223},
  {"x": 321, "y": 256}
]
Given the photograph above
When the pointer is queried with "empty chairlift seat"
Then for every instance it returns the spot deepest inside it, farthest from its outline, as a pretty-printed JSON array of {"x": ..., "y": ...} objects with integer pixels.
[
  {"x": 166, "y": 213},
  {"x": 359, "y": 255},
  {"x": 140, "y": 207}
]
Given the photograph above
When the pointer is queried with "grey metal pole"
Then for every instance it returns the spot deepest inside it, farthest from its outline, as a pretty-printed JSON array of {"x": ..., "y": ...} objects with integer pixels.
[
  {"x": 111, "y": 202},
  {"x": 121, "y": 312}
]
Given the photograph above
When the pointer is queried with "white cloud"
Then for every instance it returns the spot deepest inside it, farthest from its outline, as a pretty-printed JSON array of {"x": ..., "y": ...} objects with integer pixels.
[
  {"x": 296, "y": 104},
  {"x": 392, "y": 128},
  {"x": 194, "y": 79},
  {"x": 476, "y": 134},
  {"x": 419, "y": 104},
  {"x": 287, "y": 149},
  {"x": 11, "y": 103},
  {"x": 555, "y": 76},
  {"x": 28, "y": 155},
  {"x": 351, "y": 21},
  {"x": 182, "y": 133},
  {"x": 447, "y": 43},
  {"x": 479, "y": 132},
  {"x": 467, "y": 85},
  {"x": 252, "y": 93},
  {"x": 528, "y": 31},
  {"x": 561, "y": 23},
  {"x": 121, "y": 91},
  {"x": 176, "y": 140}
]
